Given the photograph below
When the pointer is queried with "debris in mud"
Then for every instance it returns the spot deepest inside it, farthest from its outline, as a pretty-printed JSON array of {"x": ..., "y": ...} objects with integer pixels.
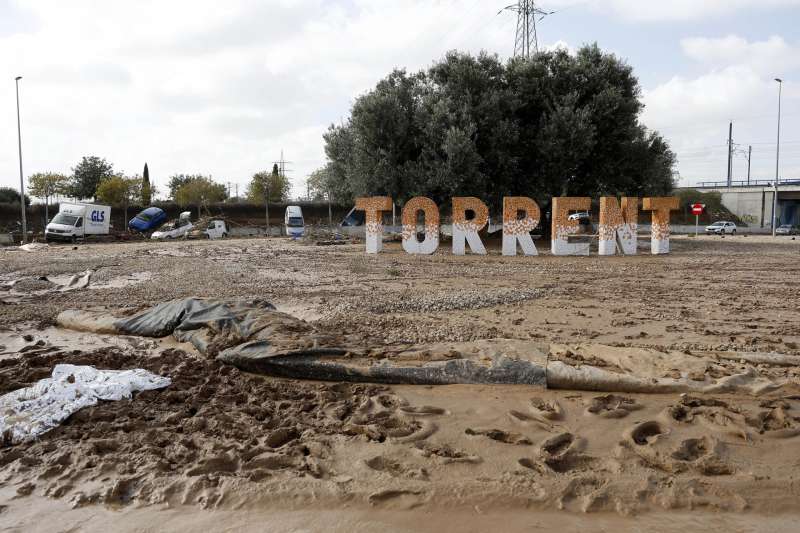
[{"x": 27, "y": 413}]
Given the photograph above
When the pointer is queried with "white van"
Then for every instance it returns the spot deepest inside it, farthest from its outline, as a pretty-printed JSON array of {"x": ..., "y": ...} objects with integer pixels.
[
  {"x": 77, "y": 221},
  {"x": 293, "y": 220}
]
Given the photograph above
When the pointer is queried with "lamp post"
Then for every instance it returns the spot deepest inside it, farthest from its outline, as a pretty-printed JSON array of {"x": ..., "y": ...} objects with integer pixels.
[
  {"x": 21, "y": 183},
  {"x": 777, "y": 160}
]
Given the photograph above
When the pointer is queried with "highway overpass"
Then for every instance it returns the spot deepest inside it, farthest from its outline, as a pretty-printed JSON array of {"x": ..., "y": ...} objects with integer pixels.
[{"x": 752, "y": 201}]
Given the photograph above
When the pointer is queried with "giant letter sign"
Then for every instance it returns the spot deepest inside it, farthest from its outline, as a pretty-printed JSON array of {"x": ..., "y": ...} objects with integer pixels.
[
  {"x": 516, "y": 229},
  {"x": 618, "y": 226},
  {"x": 563, "y": 227},
  {"x": 467, "y": 230},
  {"x": 374, "y": 208},
  {"x": 431, "y": 211},
  {"x": 659, "y": 233}
]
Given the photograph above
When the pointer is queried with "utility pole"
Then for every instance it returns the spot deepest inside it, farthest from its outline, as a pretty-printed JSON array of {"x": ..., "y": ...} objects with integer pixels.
[
  {"x": 749, "y": 156},
  {"x": 21, "y": 181},
  {"x": 525, "y": 36},
  {"x": 730, "y": 153}
]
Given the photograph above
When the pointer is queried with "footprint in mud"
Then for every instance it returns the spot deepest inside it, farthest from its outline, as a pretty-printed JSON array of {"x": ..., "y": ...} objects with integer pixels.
[
  {"x": 396, "y": 499},
  {"x": 775, "y": 423},
  {"x": 224, "y": 464},
  {"x": 423, "y": 410},
  {"x": 547, "y": 410},
  {"x": 446, "y": 454},
  {"x": 379, "y": 403},
  {"x": 501, "y": 436},
  {"x": 561, "y": 453},
  {"x": 647, "y": 433},
  {"x": 717, "y": 415},
  {"x": 703, "y": 455},
  {"x": 385, "y": 426},
  {"x": 395, "y": 468},
  {"x": 587, "y": 490},
  {"x": 612, "y": 406}
]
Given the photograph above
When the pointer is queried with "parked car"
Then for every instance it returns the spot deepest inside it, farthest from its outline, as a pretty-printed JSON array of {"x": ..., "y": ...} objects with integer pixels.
[
  {"x": 148, "y": 220},
  {"x": 722, "y": 228},
  {"x": 580, "y": 216},
  {"x": 175, "y": 229},
  {"x": 787, "y": 229}
]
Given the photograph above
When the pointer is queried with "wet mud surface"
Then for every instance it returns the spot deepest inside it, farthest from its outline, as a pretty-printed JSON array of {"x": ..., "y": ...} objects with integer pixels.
[{"x": 222, "y": 439}]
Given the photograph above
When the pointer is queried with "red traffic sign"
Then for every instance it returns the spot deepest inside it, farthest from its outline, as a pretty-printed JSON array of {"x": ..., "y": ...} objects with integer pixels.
[{"x": 697, "y": 209}]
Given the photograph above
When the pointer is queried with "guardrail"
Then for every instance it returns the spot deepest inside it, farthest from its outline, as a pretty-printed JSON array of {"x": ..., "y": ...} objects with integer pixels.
[{"x": 742, "y": 183}]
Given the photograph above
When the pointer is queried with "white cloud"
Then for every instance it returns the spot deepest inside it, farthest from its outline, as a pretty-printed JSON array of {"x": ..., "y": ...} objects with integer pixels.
[
  {"x": 672, "y": 10},
  {"x": 738, "y": 86},
  {"x": 208, "y": 86},
  {"x": 773, "y": 56}
]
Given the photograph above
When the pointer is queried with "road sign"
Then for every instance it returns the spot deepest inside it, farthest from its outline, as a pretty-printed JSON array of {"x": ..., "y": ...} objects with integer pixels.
[{"x": 697, "y": 209}]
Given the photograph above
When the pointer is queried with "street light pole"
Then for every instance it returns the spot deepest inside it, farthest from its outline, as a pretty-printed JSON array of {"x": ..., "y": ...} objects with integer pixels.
[
  {"x": 777, "y": 160},
  {"x": 21, "y": 183}
]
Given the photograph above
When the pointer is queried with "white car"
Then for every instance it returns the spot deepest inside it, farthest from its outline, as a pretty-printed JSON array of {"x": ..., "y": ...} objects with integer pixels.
[
  {"x": 722, "y": 228},
  {"x": 176, "y": 229},
  {"x": 579, "y": 216}
]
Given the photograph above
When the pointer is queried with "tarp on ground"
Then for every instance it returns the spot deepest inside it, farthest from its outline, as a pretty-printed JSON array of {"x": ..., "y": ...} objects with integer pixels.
[
  {"x": 27, "y": 413},
  {"x": 253, "y": 336}
]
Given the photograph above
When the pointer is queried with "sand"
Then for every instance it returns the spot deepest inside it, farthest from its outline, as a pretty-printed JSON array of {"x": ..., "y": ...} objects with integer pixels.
[{"x": 225, "y": 450}]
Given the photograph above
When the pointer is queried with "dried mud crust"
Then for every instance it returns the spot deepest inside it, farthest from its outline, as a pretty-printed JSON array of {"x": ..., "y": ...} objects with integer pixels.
[{"x": 177, "y": 445}]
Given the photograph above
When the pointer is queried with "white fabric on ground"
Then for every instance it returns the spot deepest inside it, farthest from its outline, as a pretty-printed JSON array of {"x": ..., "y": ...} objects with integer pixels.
[{"x": 27, "y": 413}]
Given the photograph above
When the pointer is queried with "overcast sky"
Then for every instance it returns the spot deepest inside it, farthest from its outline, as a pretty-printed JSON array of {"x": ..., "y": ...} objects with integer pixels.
[{"x": 220, "y": 88}]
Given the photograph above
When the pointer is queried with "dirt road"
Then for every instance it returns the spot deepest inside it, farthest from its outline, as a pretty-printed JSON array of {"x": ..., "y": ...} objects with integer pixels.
[{"x": 222, "y": 440}]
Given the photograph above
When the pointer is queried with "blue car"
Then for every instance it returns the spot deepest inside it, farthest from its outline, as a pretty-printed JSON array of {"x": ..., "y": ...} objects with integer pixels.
[{"x": 148, "y": 220}]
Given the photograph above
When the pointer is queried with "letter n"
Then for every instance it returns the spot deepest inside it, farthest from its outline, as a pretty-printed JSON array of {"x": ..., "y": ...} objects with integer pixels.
[{"x": 618, "y": 226}]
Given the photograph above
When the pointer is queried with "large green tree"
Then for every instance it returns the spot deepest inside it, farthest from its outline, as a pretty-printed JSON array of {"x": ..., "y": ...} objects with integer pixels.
[
  {"x": 200, "y": 190},
  {"x": 176, "y": 181},
  {"x": 120, "y": 191},
  {"x": 555, "y": 124},
  {"x": 87, "y": 175},
  {"x": 275, "y": 183}
]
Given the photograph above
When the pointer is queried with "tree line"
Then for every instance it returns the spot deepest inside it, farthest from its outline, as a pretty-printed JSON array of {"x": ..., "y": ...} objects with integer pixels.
[
  {"x": 553, "y": 125},
  {"x": 94, "y": 178}
]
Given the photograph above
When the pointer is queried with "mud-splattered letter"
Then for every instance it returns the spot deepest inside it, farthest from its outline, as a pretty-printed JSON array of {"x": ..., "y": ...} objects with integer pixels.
[
  {"x": 517, "y": 229},
  {"x": 467, "y": 230},
  {"x": 563, "y": 227},
  {"x": 659, "y": 234},
  {"x": 618, "y": 226},
  {"x": 374, "y": 207},
  {"x": 410, "y": 242}
]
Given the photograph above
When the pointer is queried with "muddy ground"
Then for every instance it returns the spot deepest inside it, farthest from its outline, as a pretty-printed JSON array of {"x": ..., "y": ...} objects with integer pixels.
[{"x": 219, "y": 440}]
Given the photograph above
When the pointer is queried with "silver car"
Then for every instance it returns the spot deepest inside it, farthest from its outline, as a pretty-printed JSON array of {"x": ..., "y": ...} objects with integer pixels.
[
  {"x": 787, "y": 229},
  {"x": 721, "y": 228}
]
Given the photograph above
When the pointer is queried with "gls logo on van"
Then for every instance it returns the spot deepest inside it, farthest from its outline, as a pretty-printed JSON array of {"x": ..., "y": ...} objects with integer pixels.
[{"x": 98, "y": 216}]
